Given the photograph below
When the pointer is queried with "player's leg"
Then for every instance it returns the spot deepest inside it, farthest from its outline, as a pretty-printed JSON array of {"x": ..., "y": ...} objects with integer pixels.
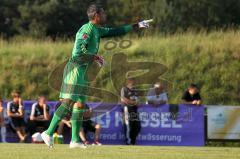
[
  {"x": 97, "y": 134},
  {"x": 66, "y": 104},
  {"x": 134, "y": 132},
  {"x": 82, "y": 135},
  {"x": 31, "y": 127},
  {"x": 126, "y": 122},
  {"x": 15, "y": 123},
  {"x": 60, "y": 113},
  {"x": 76, "y": 121},
  {"x": 132, "y": 126},
  {"x": 19, "y": 134},
  {"x": 3, "y": 128},
  {"x": 3, "y": 132},
  {"x": 60, "y": 128},
  {"x": 136, "y": 127},
  {"x": 86, "y": 127},
  {"x": 22, "y": 129},
  {"x": 45, "y": 124}
]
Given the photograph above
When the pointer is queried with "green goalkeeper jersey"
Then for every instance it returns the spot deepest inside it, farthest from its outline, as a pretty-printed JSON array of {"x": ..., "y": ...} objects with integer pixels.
[{"x": 88, "y": 38}]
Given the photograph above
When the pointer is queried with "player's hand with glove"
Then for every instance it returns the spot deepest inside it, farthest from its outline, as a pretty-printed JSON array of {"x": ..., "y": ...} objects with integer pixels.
[
  {"x": 143, "y": 24},
  {"x": 99, "y": 60}
]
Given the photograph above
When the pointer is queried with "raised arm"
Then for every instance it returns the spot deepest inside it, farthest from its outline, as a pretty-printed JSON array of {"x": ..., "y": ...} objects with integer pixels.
[
  {"x": 46, "y": 112},
  {"x": 21, "y": 109},
  {"x": 32, "y": 112},
  {"x": 1, "y": 106},
  {"x": 110, "y": 32}
]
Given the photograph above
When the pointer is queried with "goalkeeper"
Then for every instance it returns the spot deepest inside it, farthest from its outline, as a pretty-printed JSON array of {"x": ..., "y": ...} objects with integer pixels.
[{"x": 74, "y": 83}]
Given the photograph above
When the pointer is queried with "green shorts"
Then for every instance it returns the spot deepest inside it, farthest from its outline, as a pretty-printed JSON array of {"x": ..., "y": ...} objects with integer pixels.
[{"x": 74, "y": 83}]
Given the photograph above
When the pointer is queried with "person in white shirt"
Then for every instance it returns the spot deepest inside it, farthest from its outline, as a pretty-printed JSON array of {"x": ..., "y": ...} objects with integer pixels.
[{"x": 156, "y": 95}]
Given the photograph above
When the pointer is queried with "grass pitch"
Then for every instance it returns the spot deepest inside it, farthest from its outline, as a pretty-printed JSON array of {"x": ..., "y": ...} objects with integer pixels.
[{"x": 40, "y": 151}]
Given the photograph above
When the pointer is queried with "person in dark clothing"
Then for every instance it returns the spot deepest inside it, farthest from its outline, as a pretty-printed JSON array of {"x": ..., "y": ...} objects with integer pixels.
[
  {"x": 15, "y": 112},
  {"x": 39, "y": 116},
  {"x": 90, "y": 126},
  {"x": 192, "y": 95},
  {"x": 129, "y": 100}
]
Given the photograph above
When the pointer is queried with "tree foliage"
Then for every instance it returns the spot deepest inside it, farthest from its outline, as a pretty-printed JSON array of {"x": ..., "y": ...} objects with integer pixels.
[{"x": 62, "y": 18}]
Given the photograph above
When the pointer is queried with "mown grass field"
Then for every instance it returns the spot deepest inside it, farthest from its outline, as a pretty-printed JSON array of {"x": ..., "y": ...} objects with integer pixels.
[
  {"x": 209, "y": 59},
  {"x": 40, "y": 151}
]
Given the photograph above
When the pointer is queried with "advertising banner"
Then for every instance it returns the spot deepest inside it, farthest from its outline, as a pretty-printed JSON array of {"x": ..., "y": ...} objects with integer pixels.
[
  {"x": 159, "y": 125},
  {"x": 168, "y": 125},
  {"x": 223, "y": 122}
]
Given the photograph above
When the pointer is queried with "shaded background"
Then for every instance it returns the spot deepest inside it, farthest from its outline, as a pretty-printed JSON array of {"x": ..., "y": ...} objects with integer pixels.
[{"x": 62, "y": 18}]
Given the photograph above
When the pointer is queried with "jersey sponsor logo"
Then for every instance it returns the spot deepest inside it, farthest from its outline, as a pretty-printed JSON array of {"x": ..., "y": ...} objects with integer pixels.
[{"x": 84, "y": 36}]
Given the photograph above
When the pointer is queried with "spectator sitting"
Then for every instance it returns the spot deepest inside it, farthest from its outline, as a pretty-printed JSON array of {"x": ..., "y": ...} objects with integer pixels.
[
  {"x": 89, "y": 125},
  {"x": 15, "y": 112},
  {"x": 39, "y": 116},
  {"x": 156, "y": 95},
  {"x": 3, "y": 128},
  {"x": 192, "y": 95}
]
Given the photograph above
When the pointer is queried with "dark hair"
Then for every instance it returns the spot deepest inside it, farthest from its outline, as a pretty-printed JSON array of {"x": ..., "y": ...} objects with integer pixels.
[
  {"x": 15, "y": 93},
  {"x": 192, "y": 85},
  {"x": 93, "y": 9},
  {"x": 130, "y": 79}
]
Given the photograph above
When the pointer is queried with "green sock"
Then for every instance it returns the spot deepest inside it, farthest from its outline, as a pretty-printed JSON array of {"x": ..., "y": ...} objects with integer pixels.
[
  {"x": 76, "y": 121},
  {"x": 61, "y": 112}
]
